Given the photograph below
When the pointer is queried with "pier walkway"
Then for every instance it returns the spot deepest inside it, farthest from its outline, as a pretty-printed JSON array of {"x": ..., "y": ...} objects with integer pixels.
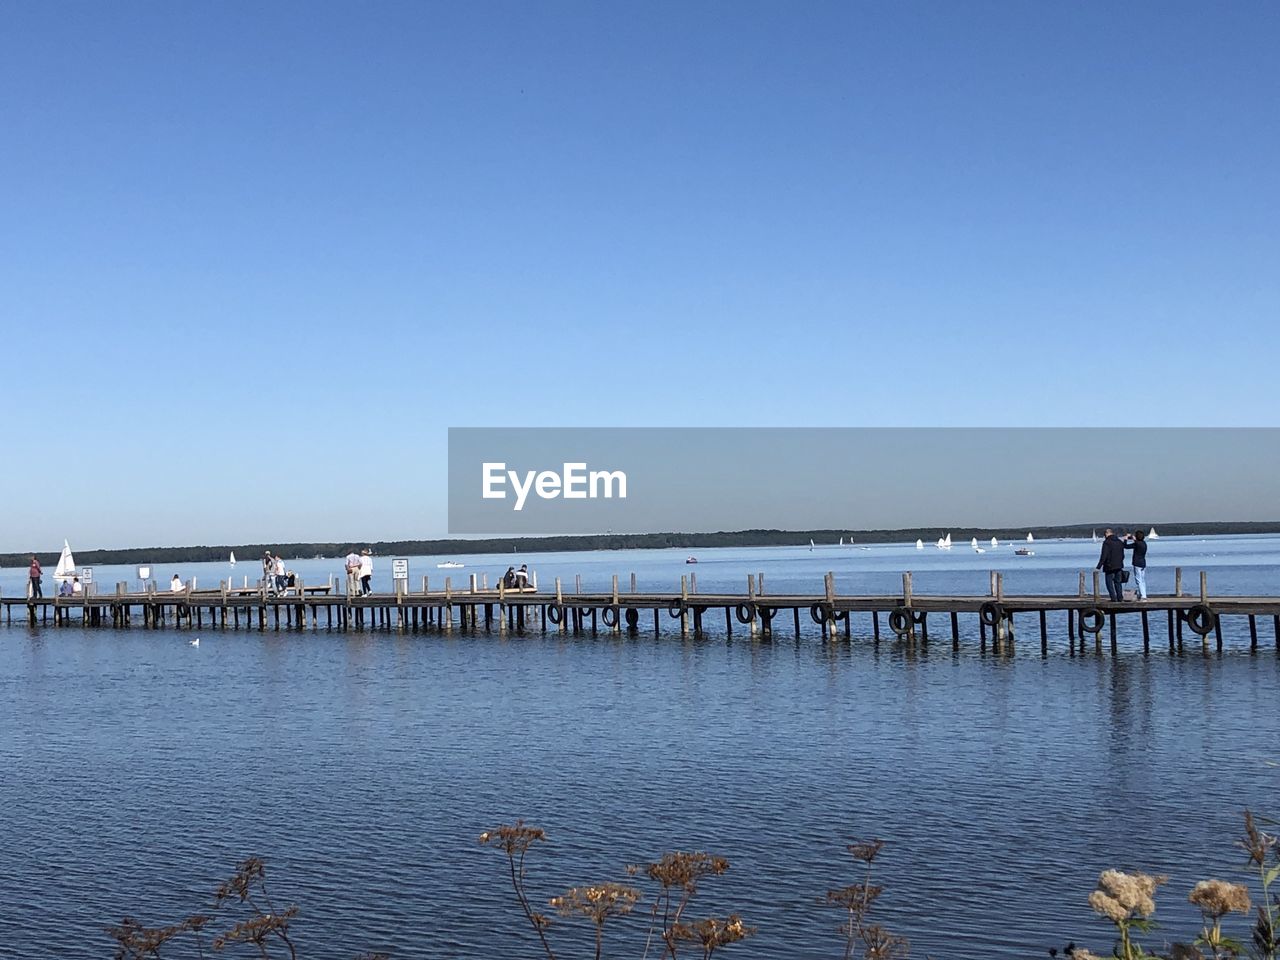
[{"x": 1086, "y": 615}]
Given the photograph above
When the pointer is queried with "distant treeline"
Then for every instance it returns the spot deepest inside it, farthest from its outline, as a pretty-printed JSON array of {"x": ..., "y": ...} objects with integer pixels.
[{"x": 609, "y": 541}]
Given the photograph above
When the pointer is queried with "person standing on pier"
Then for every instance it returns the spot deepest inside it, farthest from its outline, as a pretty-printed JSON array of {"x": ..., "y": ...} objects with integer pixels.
[
  {"x": 277, "y": 568},
  {"x": 366, "y": 572},
  {"x": 1111, "y": 563},
  {"x": 1137, "y": 542},
  {"x": 352, "y": 565},
  {"x": 268, "y": 571},
  {"x": 35, "y": 572}
]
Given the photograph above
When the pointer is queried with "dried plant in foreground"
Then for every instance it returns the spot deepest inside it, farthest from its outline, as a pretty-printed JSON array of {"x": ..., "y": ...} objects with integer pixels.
[
  {"x": 265, "y": 929},
  {"x": 515, "y": 840},
  {"x": 597, "y": 904},
  {"x": 876, "y": 942},
  {"x": 1128, "y": 901},
  {"x": 677, "y": 875}
]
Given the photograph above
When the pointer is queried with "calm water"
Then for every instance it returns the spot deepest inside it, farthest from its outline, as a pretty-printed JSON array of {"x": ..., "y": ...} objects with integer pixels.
[{"x": 137, "y": 769}]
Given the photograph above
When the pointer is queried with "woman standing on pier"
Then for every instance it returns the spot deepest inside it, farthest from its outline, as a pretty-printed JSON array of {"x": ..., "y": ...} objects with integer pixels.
[{"x": 34, "y": 590}]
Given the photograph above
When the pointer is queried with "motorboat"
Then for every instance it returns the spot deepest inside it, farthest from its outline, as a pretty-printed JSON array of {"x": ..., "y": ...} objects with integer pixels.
[
  {"x": 1024, "y": 552},
  {"x": 690, "y": 559},
  {"x": 450, "y": 565}
]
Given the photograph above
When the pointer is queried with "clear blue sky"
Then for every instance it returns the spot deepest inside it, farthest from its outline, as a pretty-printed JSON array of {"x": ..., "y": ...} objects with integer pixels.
[{"x": 255, "y": 258}]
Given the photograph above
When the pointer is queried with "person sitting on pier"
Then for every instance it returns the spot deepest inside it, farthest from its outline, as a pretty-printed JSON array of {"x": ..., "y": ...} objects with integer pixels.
[
  {"x": 76, "y": 586},
  {"x": 1111, "y": 563},
  {"x": 65, "y": 589},
  {"x": 522, "y": 577},
  {"x": 509, "y": 578},
  {"x": 175, "y": 585}
]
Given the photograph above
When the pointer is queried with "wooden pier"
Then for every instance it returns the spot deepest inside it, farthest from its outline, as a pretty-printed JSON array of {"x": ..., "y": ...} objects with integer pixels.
[{"x": 1085, "y": 618}]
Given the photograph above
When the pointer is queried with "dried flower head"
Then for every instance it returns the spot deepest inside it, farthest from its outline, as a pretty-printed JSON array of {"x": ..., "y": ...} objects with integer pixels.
[
  {"x": 1217, "y": 898},
  {"x": 597, "y": 903},
  {"x": 513, "y": 839},
  {"x": 1256, "y": 843},
  {"x": 865, "y": 850},
  {"x": 712, "y": 933},
  {"x": 681, "y": 869},
  {"x": 856, "y": 897},
  {"x": 248, "y": 873},
  {"x": 1123, "y": 896}
]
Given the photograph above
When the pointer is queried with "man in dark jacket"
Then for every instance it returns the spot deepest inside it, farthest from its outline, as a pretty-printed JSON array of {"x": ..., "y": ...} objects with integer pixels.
[
  {"x": 1138, "y": 544},
  {"x": 1111, "y": 563}
]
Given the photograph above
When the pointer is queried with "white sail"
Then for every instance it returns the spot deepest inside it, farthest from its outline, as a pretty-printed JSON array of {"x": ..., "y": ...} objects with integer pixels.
[
  {"x": 919, "y": 544},
  {"x": 810, "y": 544},
  {"x": 1030, "y": 538},
  {"x": 233, "y": 558},
  {"x": 1095, "y": 536},
  {"x": 842, "y": 541},
  {"x": 995, "y": 542},
  {"x": 66, "y": 568},
  {"x": 1153, "y": 535},
  {"x": 974, "y": 543},
  {"x": 946, "y": 541}
]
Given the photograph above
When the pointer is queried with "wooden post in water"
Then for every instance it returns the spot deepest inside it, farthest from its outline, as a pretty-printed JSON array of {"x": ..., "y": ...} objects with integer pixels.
[
  {"x": 955, "y": 630},
  {"x": 1204, "y": 587},
  {"x": 633, "y": 583},
  {"x": 693, "y": 581},
  {"x": 1095, "y": 585},
  {"x": 754, "y": 625},
  {"x": 1082, "y": 593},
  {"x": 564, "y": 626},
  {"x": 617, "y": 623},
  {"x": 830, "y": 584},
  {"x": 684, "y": 607},
  {"x": 1177, "y": 581}
]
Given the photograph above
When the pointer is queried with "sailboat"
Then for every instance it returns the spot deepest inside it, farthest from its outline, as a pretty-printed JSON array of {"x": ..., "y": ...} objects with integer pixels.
[
  {"x": 1095, "y": 536},
  {"x": 974, "y": 543},
  {"x": 919, "y": 544},
  {"x": 842, "y": 541},
  {"x": 233, "y": 558},
  {"x": 944, "y": 543},
  {"x": 995, "y": 542},
  {"x": 1153, "y": 535},
  {"x": 810, "y": 546},
  {"x": 1030, "y": 538},
  {"x": 66, "y": 568}
]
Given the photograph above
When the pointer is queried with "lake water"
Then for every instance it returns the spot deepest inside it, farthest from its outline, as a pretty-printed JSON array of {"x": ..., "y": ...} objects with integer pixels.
[{"x": 137, "y": 769}]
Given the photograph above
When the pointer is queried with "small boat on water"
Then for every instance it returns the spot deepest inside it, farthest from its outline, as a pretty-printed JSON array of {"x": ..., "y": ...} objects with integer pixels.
[
  {"x": 450, "y": 565},
  {"x": 919, "y": 544},
  {"x": 66, "y": 569},
  {"x": 690, "y": 559},
  {"x": 995, "y": 542},
  {"x": 233, "y": 558},
  {"x": 1024, "y": 552},
  {"x": 1030, "y": 538},
  {"x": 1153, "y": 535}
]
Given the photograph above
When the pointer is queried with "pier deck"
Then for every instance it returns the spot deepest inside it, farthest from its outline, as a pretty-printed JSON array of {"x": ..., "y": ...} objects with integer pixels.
[{"x": 755, "y": 613}]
